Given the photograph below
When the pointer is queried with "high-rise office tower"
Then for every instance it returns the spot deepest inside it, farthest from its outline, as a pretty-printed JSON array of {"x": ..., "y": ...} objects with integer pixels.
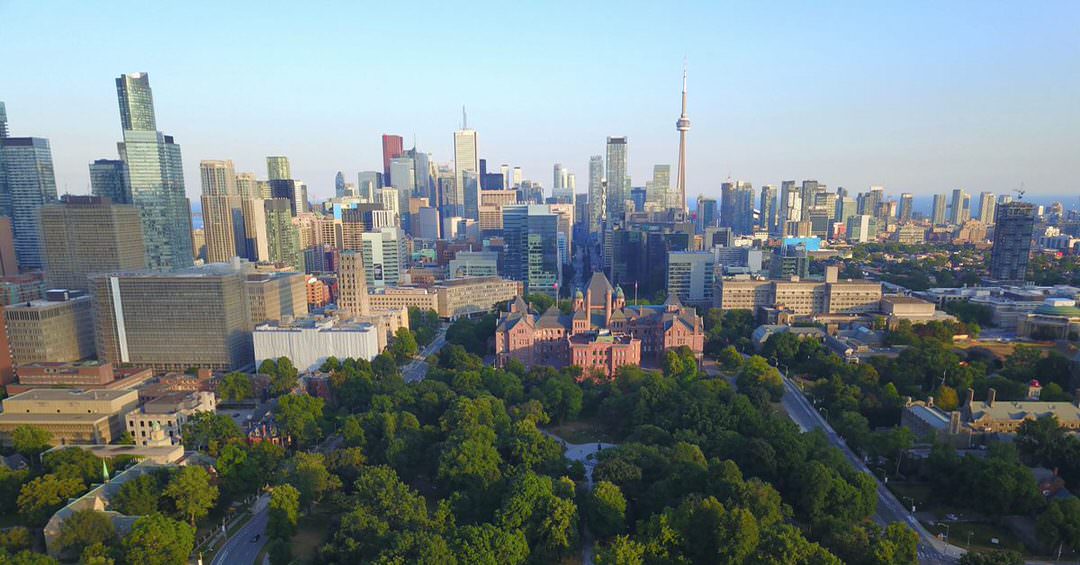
[
  {"x": 3, "y": 121},
  {"x": 806, "y": 197},
  {"x": 466, "y": 160},
  {"x": 618, "y": 179},
  {"x": 683, "y": 126},
  {"x": 907, "y": 201},
  {"x": 505, "y": 170},
  {"x": 960, "y": 207},
  {"x": 367, "y": 184},
  {"x": 987, "y": 207},
  {"x": 154, "y": 176},
  {"x": 658, "y": 190},
  {"x": 597, "y": 200},
  {"x": 768, "y": 207},
  {"x": 107, "y": 180},
  {"x": 339, "y": 184},
  {"x": 89, "y": 234},
  {"x": 706, "y": 213},
  {"x": 402, "y": 170},
  {"x": 392, "y": 148},
  {"x": 737, "y": 207},
  {"x": 937, "y": 210},
  {"x": 790, "y": 209},
  {"x": 222, "y": 209},
  {"x": 845, "y": 208},
  {"x": 532, "y": 232},
  {"x": 282, "y": 237},
  {"x": 423, "y": 175},
  {"x": 26, "y": 184},
  {"x": 516, "y": 178},
  {"x": 1013, "y": 229},
  {"x": 277, "y": 168},
  {"x": 870, "y": 202},
  {"x": 256, "y": 243},
  {"x": 562, "y": 189},
  {"x": 353, "y": 300}
]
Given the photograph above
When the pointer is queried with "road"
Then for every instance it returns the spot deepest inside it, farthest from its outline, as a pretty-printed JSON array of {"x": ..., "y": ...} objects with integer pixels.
[
  {"x": 240, "y": 549},
  {"x": 417, "y": 368},
  {"x": 889, "y": 510}
]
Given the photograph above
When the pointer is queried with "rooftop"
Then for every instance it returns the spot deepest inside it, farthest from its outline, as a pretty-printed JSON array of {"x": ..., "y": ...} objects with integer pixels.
[{"x": 45, "y": 394}]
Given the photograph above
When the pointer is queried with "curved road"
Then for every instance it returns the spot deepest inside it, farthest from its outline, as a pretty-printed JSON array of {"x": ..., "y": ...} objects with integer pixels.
[
  {"x": 240, "y": 549},
  {"x": 889, "y": 510}
]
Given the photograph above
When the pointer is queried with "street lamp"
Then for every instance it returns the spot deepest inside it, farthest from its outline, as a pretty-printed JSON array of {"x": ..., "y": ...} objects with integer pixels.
[{"x": 946, "y": 530}]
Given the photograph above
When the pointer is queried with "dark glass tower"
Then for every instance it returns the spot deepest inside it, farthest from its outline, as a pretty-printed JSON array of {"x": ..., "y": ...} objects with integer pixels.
[{"x": 1013, "y": 227}]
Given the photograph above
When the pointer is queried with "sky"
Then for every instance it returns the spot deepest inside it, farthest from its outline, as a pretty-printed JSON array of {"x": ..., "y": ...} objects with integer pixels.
[{"x": 920, "y": 97}]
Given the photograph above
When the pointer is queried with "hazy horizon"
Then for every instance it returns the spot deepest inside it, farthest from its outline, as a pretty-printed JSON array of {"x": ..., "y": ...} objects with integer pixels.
[{"x": 918, "y": 97}]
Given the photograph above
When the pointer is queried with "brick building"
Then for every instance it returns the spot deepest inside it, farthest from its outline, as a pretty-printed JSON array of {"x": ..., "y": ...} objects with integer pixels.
[{"x": 602, "y": 334}]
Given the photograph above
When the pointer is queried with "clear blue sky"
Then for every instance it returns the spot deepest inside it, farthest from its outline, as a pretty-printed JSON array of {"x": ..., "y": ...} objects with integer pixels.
[{"x": 917, "y": 96}]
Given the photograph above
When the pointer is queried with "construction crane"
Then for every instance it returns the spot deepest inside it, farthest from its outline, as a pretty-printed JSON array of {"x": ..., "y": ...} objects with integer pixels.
[{"x": 1020, "y": 192}]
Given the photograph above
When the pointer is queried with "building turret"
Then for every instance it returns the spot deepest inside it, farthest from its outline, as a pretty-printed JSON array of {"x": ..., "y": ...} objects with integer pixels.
[
  {"x": 620, "y": 298},
  {"x": 579, "y": 301}
]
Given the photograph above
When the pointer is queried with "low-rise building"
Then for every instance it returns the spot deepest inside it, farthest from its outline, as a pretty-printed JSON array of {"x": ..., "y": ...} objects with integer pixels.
[
  {"x": 1056, "y": 318},
  {"x": 85, "y": 375},
  {"x": 309, "y": 342},
  {"x": 450, "y": 299},
  {"x": 802, "y": 297},
  {"x": 168, "y": 413},
  {"x": 71, "y": 416},
  {"x": 991, "y": 416}
]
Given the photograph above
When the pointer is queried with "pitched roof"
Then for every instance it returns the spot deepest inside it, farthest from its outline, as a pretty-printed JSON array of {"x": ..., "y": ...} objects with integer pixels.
[
  {"x": 551, "y": 319},
  {"x": 672, "y": 300},
  {"x": 599, "y": 286}
]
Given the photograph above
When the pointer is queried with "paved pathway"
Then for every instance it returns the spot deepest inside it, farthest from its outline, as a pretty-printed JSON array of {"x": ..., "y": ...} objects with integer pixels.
[
  {"x": 417, "y": 368},
  {"x": 587, "y": 454}
]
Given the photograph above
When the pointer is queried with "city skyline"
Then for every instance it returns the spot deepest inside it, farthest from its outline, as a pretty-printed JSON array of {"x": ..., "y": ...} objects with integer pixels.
[{"x": 869, "y": 109}]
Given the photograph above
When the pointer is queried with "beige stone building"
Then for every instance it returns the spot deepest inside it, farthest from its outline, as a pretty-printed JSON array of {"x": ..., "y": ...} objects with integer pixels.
[
  {"x": 352, "y": 285},
  {"x": 802, "y": 297},
  {"x": 82, "y": 235},
  {"x": 71, "y": 416},
  {"x": 450, "y": 299},
  {"x": 273, "y": 296},
  {"x": 58, "y": 328}
]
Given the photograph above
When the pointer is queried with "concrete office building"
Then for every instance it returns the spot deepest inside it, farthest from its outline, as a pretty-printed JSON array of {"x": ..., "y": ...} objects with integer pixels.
[
  {"x": 937, "y": 210},
  {"x": 89, "y": 234},
  {"x": 691, "y": 277},
  {"x": 154, "y": 176},
  {"x": 70, "y": 416},
  {"x": 597, "y": 195},
  {"x": 171, "y": 321},
  {"x": 58, "y": 328},
  {"x": 353, "y": 298},
  {"x": 309, "y": 342},
  {"x": 276, "y": 296},
  {"x": 450, "y": 299},
  {"x": 384, "y": 257},
  {"x": 801, "y": 297}
]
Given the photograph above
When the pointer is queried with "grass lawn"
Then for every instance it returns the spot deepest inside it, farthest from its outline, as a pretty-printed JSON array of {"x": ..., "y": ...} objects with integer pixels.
[
  {"x": 311, "y": 532},
  {"x": 581, "y": 431},
  {"x": 981, "y": 535}
]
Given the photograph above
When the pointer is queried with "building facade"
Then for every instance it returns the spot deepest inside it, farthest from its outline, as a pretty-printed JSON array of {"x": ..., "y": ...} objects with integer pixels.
[
  {"x": 601, "y": 335},
  {"x": 89, "y": 234},
  {"x": 59, "y": 328}
]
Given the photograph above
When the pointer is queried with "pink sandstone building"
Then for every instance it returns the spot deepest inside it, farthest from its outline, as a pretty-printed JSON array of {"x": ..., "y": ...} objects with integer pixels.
[{"x": 601, "y": 335}]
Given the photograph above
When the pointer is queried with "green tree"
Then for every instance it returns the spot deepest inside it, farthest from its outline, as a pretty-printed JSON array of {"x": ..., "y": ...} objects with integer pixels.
[
  {"x": 308, "y": 473},
  {"x": 209, "y": 431},
  {"x": 284, "y": 512},
  {"x": 992, "y": 558},
  {"x": 192, "y": 493},
  {"x": 39, "y": 498},
  {"x": 98, "y": 554},
  {"x": 730, "y": 358},
  {"x": 756, "y": 372},
  {"x": 73, "y": 463},
  {"x": 235, "y": 386},
  {"x": 299, "y": 416},
  {"x": 403, "y": 347},
  {"x": 469, "y": 461},
  {"x": 621, "y": 550},
  {"x": 606, "y": 510},
  {"x": 27, "y": 557},
  {"x": 16, "y": 538},
  {"x": 30, "y": 440},
  {"x": 279, "y": 551},
  {"x": 485, "y": 544},
  {"x": 1059, "y": 525},
  {"x": 283, "y": 378},
  {"x": 158, "y": 540},
  {"x": 139, "y": 496},
  {"x": 83, "y": 529}
]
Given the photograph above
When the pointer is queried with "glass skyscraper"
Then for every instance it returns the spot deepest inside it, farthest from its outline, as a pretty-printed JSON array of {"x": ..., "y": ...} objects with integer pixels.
[
  {"x": 618, "y": 180},
  {"x": 107, "y": 179},
  {"x": 26, "y": 184},
  {"x": 154, "y": 176}
]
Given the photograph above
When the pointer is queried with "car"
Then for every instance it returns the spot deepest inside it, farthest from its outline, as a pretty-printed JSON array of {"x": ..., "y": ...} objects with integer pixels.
[{"x": 256, "y": 538}]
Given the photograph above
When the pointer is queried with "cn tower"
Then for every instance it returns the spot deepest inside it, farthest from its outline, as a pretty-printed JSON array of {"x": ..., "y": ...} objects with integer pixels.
[{"x": 683, "y": 125}]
